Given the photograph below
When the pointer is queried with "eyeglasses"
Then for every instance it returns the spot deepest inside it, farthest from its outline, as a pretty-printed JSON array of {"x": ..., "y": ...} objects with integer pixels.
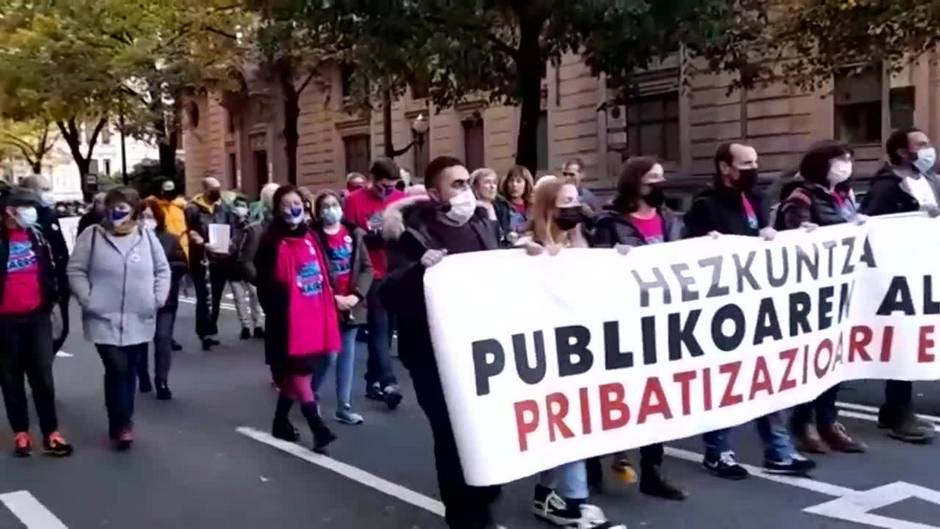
[{"x": 568, "y": 174}]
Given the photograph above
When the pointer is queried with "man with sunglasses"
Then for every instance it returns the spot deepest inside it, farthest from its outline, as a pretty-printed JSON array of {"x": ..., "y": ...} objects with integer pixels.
[{"x": 573, "y": 170}]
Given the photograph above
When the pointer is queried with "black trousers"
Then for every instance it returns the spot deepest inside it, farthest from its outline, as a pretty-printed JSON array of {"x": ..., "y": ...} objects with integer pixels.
[
  {"x": 898, "y": 397},
  {"x": 209, "y": 282},
  {"x": 26, "y": 353},
  {"x": 467, "y": 507},
  {"x": 162, "y": 347},
  {"x": 120, "y": 383}
]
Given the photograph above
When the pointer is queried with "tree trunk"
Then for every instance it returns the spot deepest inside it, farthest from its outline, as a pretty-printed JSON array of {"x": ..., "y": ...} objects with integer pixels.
[
  {"x": 529, "y": 68},
  {"x": 387, "y": 124},
  {"x": 291, "y": 118},
  {"x": 36, "y": 166},
  {"x": 73, "y": 138}
]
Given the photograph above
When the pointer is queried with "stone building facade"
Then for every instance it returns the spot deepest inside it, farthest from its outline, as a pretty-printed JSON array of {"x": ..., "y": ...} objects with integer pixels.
[{"x": 678, "y": 117}]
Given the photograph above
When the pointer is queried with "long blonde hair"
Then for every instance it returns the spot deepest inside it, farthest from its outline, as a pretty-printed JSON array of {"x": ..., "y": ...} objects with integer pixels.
[{"x": 542, "y": 226}]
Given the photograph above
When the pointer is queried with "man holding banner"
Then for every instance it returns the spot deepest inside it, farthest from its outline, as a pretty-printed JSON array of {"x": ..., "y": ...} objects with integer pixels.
[
  {"x": 906, "y": 183},
  {"x": 448, "y": 223},
  {"x": 732, "y": 207}
]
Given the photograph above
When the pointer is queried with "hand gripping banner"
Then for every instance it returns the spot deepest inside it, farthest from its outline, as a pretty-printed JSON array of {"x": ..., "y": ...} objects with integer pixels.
[{"x": 551, "y": 359}]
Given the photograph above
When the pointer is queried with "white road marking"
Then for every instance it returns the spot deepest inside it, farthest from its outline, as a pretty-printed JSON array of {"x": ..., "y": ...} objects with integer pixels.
[
  {"x": 874, "y": 410},
  {"x": 31, "y": 513},
  {"x": 63, "y": 354},
  {"x": 872, "y": 418},
  {"x": 370, "y": 480}
]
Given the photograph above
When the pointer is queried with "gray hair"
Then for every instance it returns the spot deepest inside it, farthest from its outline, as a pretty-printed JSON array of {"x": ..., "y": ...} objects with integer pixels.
[{"x": 481, "y": 173}]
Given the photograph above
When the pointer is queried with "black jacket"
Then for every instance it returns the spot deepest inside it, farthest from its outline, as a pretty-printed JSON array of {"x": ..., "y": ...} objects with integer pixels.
[
  {"x": 802, "y": 202},
  {"x": 721, "y": 209},
  {"x": 91, "y": 218},
  {"x": 887, "y": 196},
  {"x": 402, "y": 292},
  {"x": 361, "y": 273},
  {"x": 48, "y": 275},
  {"x": 503, "y": 211},
  {"x": 612, "y": 228},
  {"x": 178, "y": 267}
]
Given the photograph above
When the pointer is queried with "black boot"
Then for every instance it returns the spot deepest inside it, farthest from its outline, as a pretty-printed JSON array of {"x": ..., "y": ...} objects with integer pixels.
[
  {"x": 282, "y": 428},
  {"x": 163, "y": 390},
  {"x": 654, "y": 483},
  {"x": 322, "y": 436},
  {"x": 145, "y": 385},
  {"x": 176, "y": 346}
]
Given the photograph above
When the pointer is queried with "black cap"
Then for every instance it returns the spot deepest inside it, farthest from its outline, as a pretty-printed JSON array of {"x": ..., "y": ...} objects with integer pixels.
[
  {"x": 385, "y": 169},
  {"x": 20, "y": 196}
]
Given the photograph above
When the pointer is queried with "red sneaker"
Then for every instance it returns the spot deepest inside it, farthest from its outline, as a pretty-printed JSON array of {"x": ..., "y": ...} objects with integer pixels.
[
  {"x": 22, "y": 445},
  {"x": 125, "y": 440},
  {"x": 56, "y": 446}
]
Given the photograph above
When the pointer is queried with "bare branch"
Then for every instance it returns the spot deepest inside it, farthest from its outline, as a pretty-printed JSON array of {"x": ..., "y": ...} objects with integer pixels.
[{"x": 310, "y": 76}]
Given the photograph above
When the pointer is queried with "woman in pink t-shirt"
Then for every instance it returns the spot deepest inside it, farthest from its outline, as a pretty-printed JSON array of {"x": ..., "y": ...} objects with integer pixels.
[{"x": 302, "y": 322}]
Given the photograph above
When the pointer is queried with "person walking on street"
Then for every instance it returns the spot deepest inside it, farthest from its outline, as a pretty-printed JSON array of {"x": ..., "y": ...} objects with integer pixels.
[
  {"x": 29, "y": 289},
  {"x": 120, "y": 276},
  {"x": 351, "y": 277},
  {"x": 174, "y": 211},
  {"x": 247, "y": 306},
  {"x": 152, "y": 218},
  {"x": 821, "y": 196},
  {"x": 557, "y": 222},
  {"x": 732, "y": 207},
  {"x": 94, "y": 215},
  {"x": 208, "y": 266},
  {"x": 364, "y": 209},
  {"x": 302, "y": 323},
  {"x": 421, "y": 232},
  {"x": 638, "y": 217},
  {"x": 907, "y": 182}
]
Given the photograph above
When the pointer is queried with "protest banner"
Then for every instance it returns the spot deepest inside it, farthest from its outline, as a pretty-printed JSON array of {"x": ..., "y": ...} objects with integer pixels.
[{"x": 551, "y": 359}]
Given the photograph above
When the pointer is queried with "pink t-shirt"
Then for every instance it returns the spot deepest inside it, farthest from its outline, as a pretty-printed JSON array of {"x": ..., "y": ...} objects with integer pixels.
[
  {"x": 364, "y": 209},
  {"x": 651, "y": 229},
  {"x": 21, "y": 293},
  {"x": 749, "y": 215},
  {"x": 341, "y": 260},
  {"x": 313, "y": 326}
]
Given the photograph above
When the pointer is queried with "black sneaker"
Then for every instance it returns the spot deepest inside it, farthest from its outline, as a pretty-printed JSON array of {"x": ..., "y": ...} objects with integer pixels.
[
  {"x": 556, "y": 511},
  {"x": 163, "y": 391},
  {"x": 725, "y": 466},
  {"x": 797, "y": 465},
  {"x": 285, "y": 431},
  {"x": 174, "y": 345},
  {"x": 392, "y": 396},
  {"x": 259, "y": 333},
  {"x": 246, "y": 333},
  {"x": 209, "y": 343},
  {"x": 374, "y": 392},
  {"x": 145, "y": 385}
]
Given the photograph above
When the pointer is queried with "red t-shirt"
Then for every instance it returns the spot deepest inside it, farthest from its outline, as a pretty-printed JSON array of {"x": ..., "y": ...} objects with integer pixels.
[
  {"x": 651, "y": 229},
  {"x": 520, "y": 208},
  {"x": 21, "y": 293},
  {"x": 341, "y": 247},
  {"x": 364, "y": 209},
  {"x": 312, "y": 326}
]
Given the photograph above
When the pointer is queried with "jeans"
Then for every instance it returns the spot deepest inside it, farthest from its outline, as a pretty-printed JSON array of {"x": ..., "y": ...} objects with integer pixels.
[
  {"x": 246, "y": 304},
  {"x": 162, "y": 347},
  {"x": 824, "y": 407},
  {"x": 26, "y": 353},
  {"x": 345, "y": 362},
  {"x": 379, "y": 367},
  {"x": 209, "y": 283},
  {"x": 773, "y": 432},
  {"x": 568, "y": 481},
  {"x": 120, "y": 383},
  {"x": 466, "y": 506}
]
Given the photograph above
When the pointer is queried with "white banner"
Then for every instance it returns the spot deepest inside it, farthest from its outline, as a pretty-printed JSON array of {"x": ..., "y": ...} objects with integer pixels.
[{"x": 546, "y": 360}]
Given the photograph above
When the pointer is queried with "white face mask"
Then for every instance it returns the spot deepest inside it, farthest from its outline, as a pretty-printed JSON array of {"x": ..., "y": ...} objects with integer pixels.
[
  {"x": 26, "y": 216},
  {"x": 926, "y": 158},
  {"x": 462, "y": 207},
  {"x": 47, "y": 198},
  {"x": 150, "y": 224},
  {"x": 241, "y": 211},
  {"x": 839, "y": 171}
]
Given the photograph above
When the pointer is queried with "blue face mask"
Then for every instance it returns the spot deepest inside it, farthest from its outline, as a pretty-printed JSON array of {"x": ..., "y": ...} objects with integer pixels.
[
  {"x": 926, "y": 159},
  {"x": 294, "y": 216},
  {"x": 331, "y": 216},
  {"x": 118, "y": 216}
]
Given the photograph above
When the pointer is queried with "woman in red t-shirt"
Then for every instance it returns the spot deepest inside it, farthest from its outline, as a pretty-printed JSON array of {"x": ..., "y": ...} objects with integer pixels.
[
  {"x": 302, "y": 323},
  {"x": 351, "y": 276}
]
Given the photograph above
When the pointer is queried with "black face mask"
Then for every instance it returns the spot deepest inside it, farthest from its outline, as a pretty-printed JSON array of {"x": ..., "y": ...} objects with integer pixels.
[
  {"x": 654, "y": 197},
  {"x": 746, "y": 181},
  {"x": 214, "y": 195},
  {"x": 569, "y": 218}
]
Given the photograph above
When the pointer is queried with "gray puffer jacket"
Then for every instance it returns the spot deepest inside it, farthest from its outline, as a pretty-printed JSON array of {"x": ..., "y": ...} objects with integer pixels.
[{"x": 120, "y": 284}]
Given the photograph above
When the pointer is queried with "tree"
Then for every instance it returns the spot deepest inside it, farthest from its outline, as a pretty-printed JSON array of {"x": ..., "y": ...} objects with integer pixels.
[
  {"x": 500, "y": 48},
  {"x": 30, "y": 140}
]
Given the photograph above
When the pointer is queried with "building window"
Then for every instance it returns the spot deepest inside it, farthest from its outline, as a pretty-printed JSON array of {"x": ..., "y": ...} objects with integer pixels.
[
  {"x": 858, "y": 106},
  {"x": 358, "y": 153},
  {"x": 902, "y": 107},
  {"x": 107, "y": 167},
  {"x": 422, "y": 154},
  {"x": 106, "y": 135},
  {"x": 653, "y": 126},
  {"x": 542, "y": 145},
  {"x": 474, "y": 146}
]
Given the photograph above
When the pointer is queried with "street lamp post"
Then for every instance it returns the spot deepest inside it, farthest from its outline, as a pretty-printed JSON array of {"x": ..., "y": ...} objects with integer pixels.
[{"x": 420, "y": 128}]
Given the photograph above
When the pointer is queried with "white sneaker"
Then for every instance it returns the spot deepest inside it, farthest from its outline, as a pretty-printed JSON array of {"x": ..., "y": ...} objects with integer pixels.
[{"x": 556, "y": 512}]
